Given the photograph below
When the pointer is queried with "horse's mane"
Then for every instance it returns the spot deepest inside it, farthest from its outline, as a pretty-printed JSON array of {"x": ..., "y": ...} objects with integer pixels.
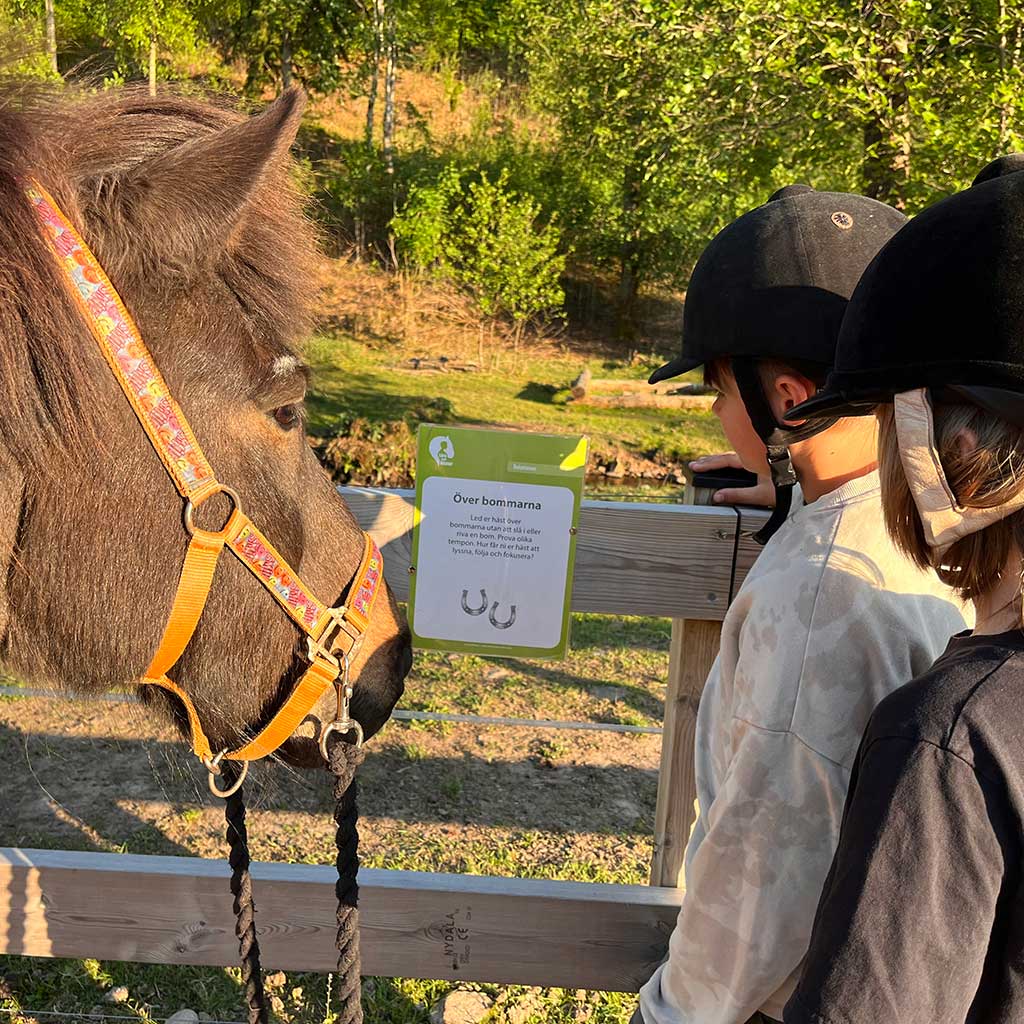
[{"x": 79, "y": 145}]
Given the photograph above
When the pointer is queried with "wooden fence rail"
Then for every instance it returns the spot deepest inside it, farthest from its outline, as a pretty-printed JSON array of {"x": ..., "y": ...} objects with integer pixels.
[
  {"x": 177, "y": 910},
  {"x": 680, "y": 561},
  {"x": 631, "y": 558}
]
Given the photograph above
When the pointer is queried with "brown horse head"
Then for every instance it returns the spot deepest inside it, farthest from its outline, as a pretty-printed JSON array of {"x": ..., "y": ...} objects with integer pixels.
[{"x": 193, "y": 213}]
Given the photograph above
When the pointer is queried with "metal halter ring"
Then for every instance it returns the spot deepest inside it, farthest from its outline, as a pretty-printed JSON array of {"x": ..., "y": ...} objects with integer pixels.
[
  {"x": 191, "y": 506},
  {"x": 213, "y": 767}
]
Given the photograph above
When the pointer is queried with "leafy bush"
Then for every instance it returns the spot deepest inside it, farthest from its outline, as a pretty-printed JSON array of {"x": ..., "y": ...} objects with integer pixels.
[
  {"x": 488, "y": 238},
  {"x": 370, "y": 453},
  {"x": 25, "y": 46}
]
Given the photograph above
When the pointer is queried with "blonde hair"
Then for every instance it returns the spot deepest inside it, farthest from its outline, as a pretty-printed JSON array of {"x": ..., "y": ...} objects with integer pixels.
[{"x": 983, "y": 460}]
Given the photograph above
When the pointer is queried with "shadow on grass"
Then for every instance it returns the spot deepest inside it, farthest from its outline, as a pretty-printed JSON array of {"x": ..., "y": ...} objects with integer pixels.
[
  {"x": 52, "y": 773},
  {"x": 545, "y": 790},
  {"x": 535, "y": 392},
  {"x": 633, "y": 696}
]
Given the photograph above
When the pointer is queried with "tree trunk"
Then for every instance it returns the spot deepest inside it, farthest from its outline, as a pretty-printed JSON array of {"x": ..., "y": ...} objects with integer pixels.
[
  {"x": 152, "y": 66},
  {"x": 388, "y": 140},
  {"x": 626, "y": 327},
  {"x": 51, "y": 36},
  {"x": 378, "y": 46},
  {"x": 886, "y": 168},
  {"x": 388, "y": 149},
  {"x": 286, "y": 61}
]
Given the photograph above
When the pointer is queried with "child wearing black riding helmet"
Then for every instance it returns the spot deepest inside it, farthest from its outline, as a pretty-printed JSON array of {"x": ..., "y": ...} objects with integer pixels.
[
  {"x": 830, "y": 619},
  {"x": 921, "y": 920}
]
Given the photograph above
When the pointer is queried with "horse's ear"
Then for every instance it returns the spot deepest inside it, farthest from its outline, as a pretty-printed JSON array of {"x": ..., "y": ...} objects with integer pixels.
[{"x": 187, "y": 200}]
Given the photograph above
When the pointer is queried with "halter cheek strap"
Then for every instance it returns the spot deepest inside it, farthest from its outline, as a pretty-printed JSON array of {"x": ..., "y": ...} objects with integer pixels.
[
  {"x": 944, "y": 520},
  {"x": 333, "y": 635}
]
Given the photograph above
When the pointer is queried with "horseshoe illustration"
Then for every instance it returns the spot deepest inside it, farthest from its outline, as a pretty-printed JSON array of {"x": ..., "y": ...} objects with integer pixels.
[
  {"x": 474, "y": 611},
  {"x": 501, "y": 625}
]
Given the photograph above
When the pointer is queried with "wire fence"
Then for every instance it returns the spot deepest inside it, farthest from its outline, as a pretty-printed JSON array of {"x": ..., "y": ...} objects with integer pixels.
[{"x": 400, "y": 714}]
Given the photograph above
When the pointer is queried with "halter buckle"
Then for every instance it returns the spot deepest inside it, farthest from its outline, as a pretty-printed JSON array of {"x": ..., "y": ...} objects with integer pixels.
[{"x": 324, "y": 645}]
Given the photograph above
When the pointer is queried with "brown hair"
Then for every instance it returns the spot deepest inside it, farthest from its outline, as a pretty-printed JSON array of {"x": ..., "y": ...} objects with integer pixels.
[{"x": 982, "y": 457}]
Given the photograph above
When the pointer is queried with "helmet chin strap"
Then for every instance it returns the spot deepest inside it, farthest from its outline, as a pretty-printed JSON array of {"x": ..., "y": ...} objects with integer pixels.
[{"x": 777, "y": 440}]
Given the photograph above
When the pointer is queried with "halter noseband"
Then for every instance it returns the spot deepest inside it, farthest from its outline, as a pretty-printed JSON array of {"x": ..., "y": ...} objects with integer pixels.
[{"x": 333, "y": 635}]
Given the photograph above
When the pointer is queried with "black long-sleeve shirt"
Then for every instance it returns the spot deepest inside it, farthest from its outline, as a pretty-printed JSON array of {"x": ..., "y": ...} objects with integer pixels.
[{"x": 921, "y": 920}]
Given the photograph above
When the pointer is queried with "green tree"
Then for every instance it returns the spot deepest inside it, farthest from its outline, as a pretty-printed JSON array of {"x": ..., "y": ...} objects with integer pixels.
[
  {"x": 469, "y": 34},
  {"x": 31, "y": 58},
  {"x": 627, "y": 82},
  {"x": 138, "y": 36},
  {"x": 487, "y": 238},
  {"x": 285, "y": 40},
  {"x": 674, "y": 115}
]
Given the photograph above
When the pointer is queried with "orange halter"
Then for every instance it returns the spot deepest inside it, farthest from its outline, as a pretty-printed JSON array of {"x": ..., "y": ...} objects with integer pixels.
[{"x": 333, "y": 635}]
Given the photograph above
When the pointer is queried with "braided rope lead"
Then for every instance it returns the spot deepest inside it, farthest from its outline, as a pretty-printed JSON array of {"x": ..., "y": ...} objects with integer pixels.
[
  {"x": 245, "y": 909},
  {"x": 344, "y": 760}
]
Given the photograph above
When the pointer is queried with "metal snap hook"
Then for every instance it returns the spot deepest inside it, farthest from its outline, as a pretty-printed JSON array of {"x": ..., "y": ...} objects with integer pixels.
[
  {"x": 343, "y": 720},
  {"x": 350, "y": 725},
  {"x": 501, "y": 625},
  {"x": 474, "y": 611}
]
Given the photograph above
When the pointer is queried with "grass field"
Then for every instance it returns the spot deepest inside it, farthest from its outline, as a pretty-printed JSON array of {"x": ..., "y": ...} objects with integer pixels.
[
  {"x": 353, "y": 381},
  {"x": 350, "y": 376}
]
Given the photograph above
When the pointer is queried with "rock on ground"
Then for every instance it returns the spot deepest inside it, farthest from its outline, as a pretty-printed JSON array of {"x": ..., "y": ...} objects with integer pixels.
[
  {"x": 461, "y": 1008},
  {"x": 521, "y": 1007},
  {"x": 183, "y": 1017}
]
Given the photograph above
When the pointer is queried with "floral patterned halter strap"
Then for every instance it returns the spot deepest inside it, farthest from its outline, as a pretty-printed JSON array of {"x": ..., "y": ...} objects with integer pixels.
[{"x": 333, "y": 635}]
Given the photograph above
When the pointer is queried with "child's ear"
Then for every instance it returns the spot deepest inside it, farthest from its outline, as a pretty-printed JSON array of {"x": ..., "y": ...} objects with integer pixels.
[
  {"x": 966, "y": 442},
  {"x": 789, "y": 390}
]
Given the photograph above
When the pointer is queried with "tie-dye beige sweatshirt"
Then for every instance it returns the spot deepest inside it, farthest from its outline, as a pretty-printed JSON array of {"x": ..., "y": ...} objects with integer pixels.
[{"x": 830, "y": 619}]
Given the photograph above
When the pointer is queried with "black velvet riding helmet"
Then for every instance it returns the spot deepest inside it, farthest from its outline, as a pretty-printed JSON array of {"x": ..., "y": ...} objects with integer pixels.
[
  {"x": 941, "y": 307},
  {"x": 774, "y": 284}
]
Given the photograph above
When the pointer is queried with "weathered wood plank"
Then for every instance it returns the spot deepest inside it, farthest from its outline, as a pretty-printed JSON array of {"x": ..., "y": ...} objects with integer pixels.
[
  {"x": 463, "y": 927},
  {"x": 693, "y": 651},
  {"x": 631, "y": 558}
]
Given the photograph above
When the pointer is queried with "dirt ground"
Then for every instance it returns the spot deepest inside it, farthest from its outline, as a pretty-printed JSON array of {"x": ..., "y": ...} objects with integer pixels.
[
  {"x": 527, "y": 802},
  {"x": 459, "y": 798},
  {"x": 101, "y": 776}
]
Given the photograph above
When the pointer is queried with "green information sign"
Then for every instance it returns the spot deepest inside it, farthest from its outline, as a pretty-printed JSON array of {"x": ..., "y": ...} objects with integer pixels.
[{"x": 494, "y": 540}]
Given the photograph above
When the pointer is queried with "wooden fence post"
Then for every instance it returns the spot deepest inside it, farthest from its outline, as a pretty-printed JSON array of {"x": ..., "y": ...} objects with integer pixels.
[{"x": 693, "y": 650}]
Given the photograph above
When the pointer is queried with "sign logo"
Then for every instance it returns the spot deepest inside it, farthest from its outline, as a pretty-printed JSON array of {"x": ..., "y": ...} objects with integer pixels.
[
  {"x": 442, "y": 450},
  {"x": 842, "y": 220}
]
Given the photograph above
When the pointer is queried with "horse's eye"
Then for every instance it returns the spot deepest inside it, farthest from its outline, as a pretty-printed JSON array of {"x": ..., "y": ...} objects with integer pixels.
[{"x": 287, "y": 416}]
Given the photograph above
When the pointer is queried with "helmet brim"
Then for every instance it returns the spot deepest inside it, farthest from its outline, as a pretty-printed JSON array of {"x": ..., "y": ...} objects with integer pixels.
[
  {"x": 675, "y": 368},
  {"x": 827, "y": 404}
]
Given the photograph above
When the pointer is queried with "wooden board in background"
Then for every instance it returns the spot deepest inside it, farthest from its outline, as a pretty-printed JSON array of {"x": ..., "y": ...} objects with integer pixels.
[
  {"x": 631, "y": 558},
  {"x": 177, "y": 910}
]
